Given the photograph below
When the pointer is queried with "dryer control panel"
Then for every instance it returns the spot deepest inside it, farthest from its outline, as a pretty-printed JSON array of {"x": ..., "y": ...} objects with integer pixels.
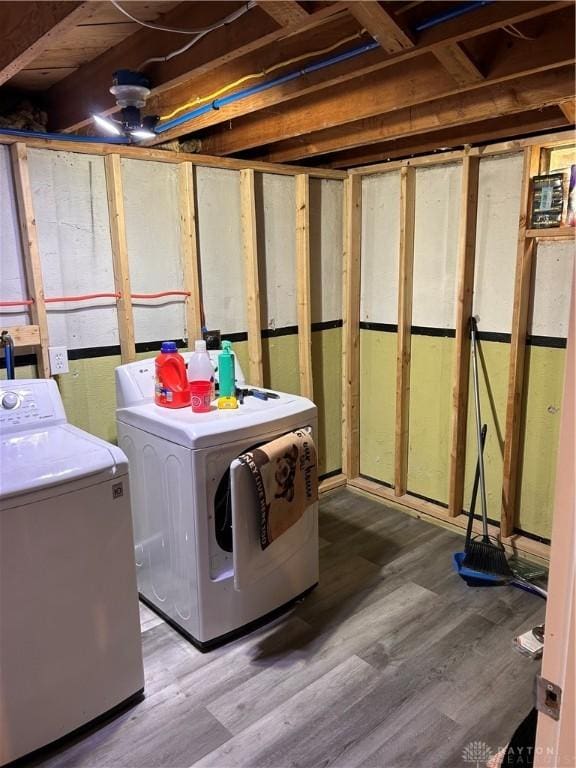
[{"x": 29, "y": 403}]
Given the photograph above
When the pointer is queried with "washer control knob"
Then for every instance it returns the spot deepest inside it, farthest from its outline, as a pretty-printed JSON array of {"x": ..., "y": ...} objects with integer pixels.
[{"x": 10, "y": 400}]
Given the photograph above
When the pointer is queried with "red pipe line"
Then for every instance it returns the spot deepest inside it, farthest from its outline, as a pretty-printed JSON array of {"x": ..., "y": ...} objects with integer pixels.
[{"x": 89, "y": 296}]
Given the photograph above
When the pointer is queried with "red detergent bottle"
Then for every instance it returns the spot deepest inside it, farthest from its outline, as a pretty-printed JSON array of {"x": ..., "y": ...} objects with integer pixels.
[{"x": 171, "y": 388}]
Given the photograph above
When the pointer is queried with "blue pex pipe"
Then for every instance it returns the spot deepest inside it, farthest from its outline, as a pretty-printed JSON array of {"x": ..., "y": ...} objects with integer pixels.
[
  {"x": 246, "y": 92},
  {"x": 65, "y": 137},
  {"x": 451, "y": 14}
]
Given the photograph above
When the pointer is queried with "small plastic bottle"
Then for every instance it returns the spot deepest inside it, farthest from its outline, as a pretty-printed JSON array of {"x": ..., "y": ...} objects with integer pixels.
[
  {"x": 201, "y": 378},
  {"x": 227, "y": 377}
]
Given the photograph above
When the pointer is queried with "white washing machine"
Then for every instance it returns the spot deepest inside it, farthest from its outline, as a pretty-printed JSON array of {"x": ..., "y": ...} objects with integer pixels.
[
  {"x": 70, "y": 648},
  {"x": 198, "y": 555}
]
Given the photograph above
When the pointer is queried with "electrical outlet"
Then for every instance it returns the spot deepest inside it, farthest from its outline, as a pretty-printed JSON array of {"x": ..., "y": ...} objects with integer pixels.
[{"x": 58, "y": 360}]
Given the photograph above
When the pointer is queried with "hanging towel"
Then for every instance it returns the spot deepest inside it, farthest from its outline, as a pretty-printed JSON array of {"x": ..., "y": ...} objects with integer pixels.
[{"x": 285, "y": 476}]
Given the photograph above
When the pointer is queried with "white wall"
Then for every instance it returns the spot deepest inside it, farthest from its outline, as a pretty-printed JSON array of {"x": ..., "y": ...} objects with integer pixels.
[
  {"x": 380, "y": 247},
  {"x": 153, "y": 241},
  {"x": 326, "y": 198},
  {"x": 552, "y": 289},
  {"x": 12, "y": 276},
  {"x": 69, "y": 194},
  {"x": 220, "y": 245}
]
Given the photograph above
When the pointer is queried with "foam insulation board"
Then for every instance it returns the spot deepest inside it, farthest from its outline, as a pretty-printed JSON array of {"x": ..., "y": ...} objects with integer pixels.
[
  {"x": 12, "y": 275},
  {"x": 326, "y": 248},
  {"x": 220, "y": 246},
  {"x": 327, "y": 374},
  {"x": 70, "y": 205},
  {"x": 552, "y": 288},
  {"x": 499, "y": 189},
  {"x": 436, "y": 245},
  {"x": 276, "y": 228},
  {"x": 380, "y": 248},
  {"x": 153, "y": 241}
]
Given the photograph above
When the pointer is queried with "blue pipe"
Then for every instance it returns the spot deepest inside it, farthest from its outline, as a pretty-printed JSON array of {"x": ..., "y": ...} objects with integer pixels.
[
  {"x": 65, "y": 137},
  {"x": 453, "y": 13},
  {"x": 246, "y": 92}
]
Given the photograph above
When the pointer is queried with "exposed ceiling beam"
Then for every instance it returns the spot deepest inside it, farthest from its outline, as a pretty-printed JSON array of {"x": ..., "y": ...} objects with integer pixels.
[
  {"x": 537, "y": 91},
  {"x": 72, "y": 100},
  {"x": 392, "y": 36},
  {"x": 455, "y": 61},
  {"x": 535, "y": 121},
  {"x": 555, "y": 40},
  {"x": 408, "y": 84},
  {"x": 569, "y": 110},
  {"x": 284, "y": 12},
  {"x": 28, "y": 28}
]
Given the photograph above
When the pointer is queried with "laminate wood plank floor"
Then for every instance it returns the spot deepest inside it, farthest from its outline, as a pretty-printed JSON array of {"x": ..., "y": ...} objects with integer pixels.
[{"x": 392, "y": 662}]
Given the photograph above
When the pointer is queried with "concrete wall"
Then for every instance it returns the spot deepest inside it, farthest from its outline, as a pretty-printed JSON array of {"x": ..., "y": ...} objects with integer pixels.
[
  {"x": 432, "y": 350},
  {"x": 69, "y": 194}
]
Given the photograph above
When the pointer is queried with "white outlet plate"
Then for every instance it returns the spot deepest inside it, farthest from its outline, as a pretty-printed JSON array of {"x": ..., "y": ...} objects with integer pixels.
[{"x": 58, "y": 360}]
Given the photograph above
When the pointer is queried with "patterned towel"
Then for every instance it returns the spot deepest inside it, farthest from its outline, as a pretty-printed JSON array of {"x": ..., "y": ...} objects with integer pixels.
[{"x": 285, "y": 475}]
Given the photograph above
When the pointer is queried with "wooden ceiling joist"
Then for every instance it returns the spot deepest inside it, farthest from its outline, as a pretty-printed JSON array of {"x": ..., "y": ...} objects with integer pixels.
[
  {"x": 28, "y": 28},
  {"x": 384, "y": 28},
  {"x": 569, "y": 110},
  {"x": 555, "y": 41},
  {"x": 483, "y": 131},
  {"x": 458, "y": 64},
  {"x": 528, "y": 93},
  {"x": 284, "y": 12},
  {"x": 407, "y": 85}
]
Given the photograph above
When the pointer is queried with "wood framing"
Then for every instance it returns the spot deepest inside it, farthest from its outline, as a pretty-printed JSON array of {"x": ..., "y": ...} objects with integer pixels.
[
  {"x": 435, "y": 513},
  {"x": 115, "y": 194},
  {"x": 381, "y": 25},
  {"x": 251, "y": 276},
  {"x": 23, "y": 335},
  {"x": 330, "y": 483},
  {"x": 32, "y": 264},
  {"x": 189, "y": 252},
  {"x": 465, "y": 292},
  {"x": 351, "y": 327},
  {"x": 569, "y": 111},
  {"x": 303, "y": 296},
  {"x": 458, "y": 64},
  {"x": 284, "y": 12},
  {"x": 524, "y": 264},
  {"x": 405, "y": 270}
]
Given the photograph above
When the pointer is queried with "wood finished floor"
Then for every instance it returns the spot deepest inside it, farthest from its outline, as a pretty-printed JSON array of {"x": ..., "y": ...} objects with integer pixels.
[{"x": 392, "y": 662}]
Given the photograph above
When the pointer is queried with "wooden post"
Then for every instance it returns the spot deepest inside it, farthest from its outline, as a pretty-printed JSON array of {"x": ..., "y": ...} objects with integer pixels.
[
  {"x": 251, "y": 277},
  {"x": 120, "y": 257},
  {"x": 189, "y": 251},
  {"x": 461, "y": 372},
  {"x": 406, "y": 264},
  {"x": 303, "y": 296},
  {"x": 523, "y": 280},
  {"x": 351, "y": 327},
  {"x": 31, "y": 253}
]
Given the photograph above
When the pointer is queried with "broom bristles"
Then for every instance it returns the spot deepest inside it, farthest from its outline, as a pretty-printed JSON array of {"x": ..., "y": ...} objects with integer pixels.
[{"x": 487, "y": 558}]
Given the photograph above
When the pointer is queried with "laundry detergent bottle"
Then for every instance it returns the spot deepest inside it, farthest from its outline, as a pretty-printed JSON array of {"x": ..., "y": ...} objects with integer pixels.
[
  {"x": 171, "y": 388},
  {"x": 201, "y": 378}
]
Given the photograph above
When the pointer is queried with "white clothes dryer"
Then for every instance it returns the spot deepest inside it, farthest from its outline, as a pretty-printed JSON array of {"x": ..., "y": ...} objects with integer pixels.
[
  {"x": 198, "y": 555},
  {"x": 70, "y": 648}
]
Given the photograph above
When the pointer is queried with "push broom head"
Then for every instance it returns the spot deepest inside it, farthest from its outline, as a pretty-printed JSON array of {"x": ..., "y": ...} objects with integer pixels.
[{"x": 487, "y": 557}]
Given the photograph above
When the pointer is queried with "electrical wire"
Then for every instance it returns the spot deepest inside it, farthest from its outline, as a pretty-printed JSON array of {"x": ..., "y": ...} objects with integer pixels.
[
  {"x": 258, "y": 75},
  {"x": 515, "y": 32},
  {"x": 90, "y": 296},
  {"x": 161, "y": 28},
  {"x": 227, "y": 20}
]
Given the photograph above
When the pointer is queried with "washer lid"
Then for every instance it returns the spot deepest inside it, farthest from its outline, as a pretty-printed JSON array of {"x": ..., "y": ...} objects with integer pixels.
[
  {"x": 35, "y": 459},
  {"x": 203, "y": 430}
]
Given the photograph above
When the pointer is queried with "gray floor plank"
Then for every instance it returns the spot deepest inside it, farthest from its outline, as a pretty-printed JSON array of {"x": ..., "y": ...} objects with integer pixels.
[{"x": 392, "y": 662}]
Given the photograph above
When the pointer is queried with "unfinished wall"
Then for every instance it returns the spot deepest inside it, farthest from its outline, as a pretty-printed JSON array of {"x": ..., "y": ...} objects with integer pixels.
[
  {"x": 71, "y": 209},
  {"x": 432, "y": 345}
]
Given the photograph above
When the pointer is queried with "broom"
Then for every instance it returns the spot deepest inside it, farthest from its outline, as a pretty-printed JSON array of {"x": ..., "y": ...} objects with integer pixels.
[{"x": 483, "y": 554}]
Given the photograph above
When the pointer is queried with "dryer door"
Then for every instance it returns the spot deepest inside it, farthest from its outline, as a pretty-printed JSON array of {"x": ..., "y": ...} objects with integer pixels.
[{"x": 251, "y": 563}]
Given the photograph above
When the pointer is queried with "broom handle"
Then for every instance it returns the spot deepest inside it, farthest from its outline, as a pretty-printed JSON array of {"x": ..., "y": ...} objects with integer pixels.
[
  {"x": 474, "y": 492},
  {"x": 473, "y": 333}
]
